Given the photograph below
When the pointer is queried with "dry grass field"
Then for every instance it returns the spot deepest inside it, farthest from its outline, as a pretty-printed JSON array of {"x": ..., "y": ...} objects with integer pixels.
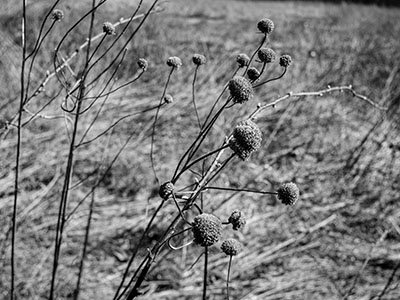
[{"x": 340, "y": 241}]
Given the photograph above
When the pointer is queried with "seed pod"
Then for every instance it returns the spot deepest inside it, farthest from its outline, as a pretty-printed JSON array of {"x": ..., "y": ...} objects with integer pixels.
[
  {"x": 231, "y": 247},
  {"x": 253, "y": 73},
  {"x": 207, "y": 229},
  {"x": 240, "y": 89},
  {"x": 57, "y": 15},
  {"x": 166, "y": 190},
  {"x": 199, "y": 59},
  {"x": 246, "y": 139},
  {"x": 266, "y": 55},
  {"x": 288, "y": 193},
  {"x": 168, "y": 99},
  {"x": 266, "y": 26},
  {"x": 142, "y": 63},
  {"x": 108, "y": 28},
  {"x": 237, "y": 219},
  {"x": 174, "y": 62},
  {"x": 285, "y": 61},
  {"x": 243, "y": 60}
]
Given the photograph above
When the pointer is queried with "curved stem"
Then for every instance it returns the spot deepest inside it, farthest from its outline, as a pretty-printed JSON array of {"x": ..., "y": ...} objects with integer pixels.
[
  {"x": 272, "y": 79},
  {"x": 193, "y": 96},
  {"x": 239, "y": 190}
]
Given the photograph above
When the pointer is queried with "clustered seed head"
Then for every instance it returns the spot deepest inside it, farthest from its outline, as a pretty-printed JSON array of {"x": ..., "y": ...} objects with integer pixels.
[
  {"x": 166, "y": 190},
  {"x": 142, "y": 63},
  {"x": 243, "y": 60},
  {"x": 246, "y": 139},
  {"x": 168, "y": 99},
  {"x": 288, "y": 193},
  {"x": 285, "y": 61},
  {"x": 174, "y": 61},
  {"x": 57, "y": 15},
  {"x": 266, "y": 26},
  {"x": 266, "y": 55},
  {"x": 231, "y": 247},
  {"x": 240, "y": 89},
  {"x": 108, "y": 28},
  {"x": 207, "y": 229},
  {"x": 199, "y": 59},
  {"x": 237, "y": 219},
  {"x": 253, "y": 73}
]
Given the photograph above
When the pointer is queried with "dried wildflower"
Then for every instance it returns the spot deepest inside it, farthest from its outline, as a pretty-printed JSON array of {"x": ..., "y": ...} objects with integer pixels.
[
  {"x": 266, "y": 55},
  {"x": 168, "y": 99},
  {"x": 108, "y": 28},
  {"x": 240, "y": 89},
  {"x": 231, "y": 247},
  {"x": 285, "y": 61},
  {"x": 166, "y": 190},
  {"x": 199, "y": 59},
  {"x": 253, "y": 73},
  {"x": 266, "y": 26},
  {"x": 288, "y": 193},
  {"x": 246, "y": 139},
  {"x": 207, "y": 229},
  {"x": 57, "y": 15},
  {"x": 142, "y": 63},
  {"x": 243, "y": 60},
  {"x": 237, "y": 219},
  {"x": 174, "y": 62}
]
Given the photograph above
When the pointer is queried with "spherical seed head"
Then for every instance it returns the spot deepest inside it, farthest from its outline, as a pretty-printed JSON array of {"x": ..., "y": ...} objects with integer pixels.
[
  {"x": 246, "y": 139},
  {"x": 237, "y": 219},
  {"x": 166, "y": 190},
  {"x": 142, "y": 63},
  {"x": 266, "y": 26},
  {"x": 207, "y": 229},
  {"x": 57, "y": 15},
  {"x": 240, "y": 89},
  {"x": 231, "y": 247},
  {"x": 253, "y": 73},
  {"x": 199, "y": 59},
  {"x": 168, "y": 99},
  {"x": 108, "y": 28},
  {"x": 266, "y": 55},
  {"x": 288, "y": 193},
  {"x": 243, "y": 60},
  {"x": 174, "y": 62},
  {"x": 285, "y": 61}
]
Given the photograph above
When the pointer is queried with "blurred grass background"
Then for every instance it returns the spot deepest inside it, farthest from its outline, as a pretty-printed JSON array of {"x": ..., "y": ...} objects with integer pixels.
[{"x": 342, "y": 153}]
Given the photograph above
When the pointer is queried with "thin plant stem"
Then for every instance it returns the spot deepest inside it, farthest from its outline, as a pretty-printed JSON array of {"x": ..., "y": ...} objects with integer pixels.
[
  {"x": 205, "y": 273},
  {"x": 193, "y": 96},
  {"x": 18, "y": 152},
  {"x": 239, "y": 190},
  {"x": 227, "y": 277},
  {"x": 271, "y": 79},
  {"x": 254, "y": 53},
  {"x": 155, "y": 123}
]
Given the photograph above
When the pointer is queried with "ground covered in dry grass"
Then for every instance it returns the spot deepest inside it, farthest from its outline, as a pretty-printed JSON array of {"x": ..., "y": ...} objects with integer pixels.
[{"x": 341, "y": 238}]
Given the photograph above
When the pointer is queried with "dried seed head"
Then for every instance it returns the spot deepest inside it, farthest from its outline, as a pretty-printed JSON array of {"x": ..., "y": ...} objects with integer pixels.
[
  {"x": 237, "y": 219},
  {"x": 246, "y": 139},
  {"x": 253, "y": 73},
  {"x": 168, "y": 99},
  {"x": 288, "y": 193},
  {"x": 166, "y": 190},
  {"x": 142, "y": 63},
  {"x": 240, "y": 89},
  {"x": 266, "y": 55},
  {"x": 285, "y": 61},
  {"x": 243, "y": 60},
  {"x": 174, "y": 62},
  {"x": 231, "y": 247},
  {"x": 266, "y": 26},
  {"x": 199, "y": 59},
  {"x": 108, "y": 28},
  {"x": 207, "y": 229},
  {"x": 57, "y": 15}
]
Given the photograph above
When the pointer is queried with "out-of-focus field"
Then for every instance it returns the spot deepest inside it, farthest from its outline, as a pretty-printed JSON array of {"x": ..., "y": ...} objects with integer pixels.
[{"x": 343, "y": 154}]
